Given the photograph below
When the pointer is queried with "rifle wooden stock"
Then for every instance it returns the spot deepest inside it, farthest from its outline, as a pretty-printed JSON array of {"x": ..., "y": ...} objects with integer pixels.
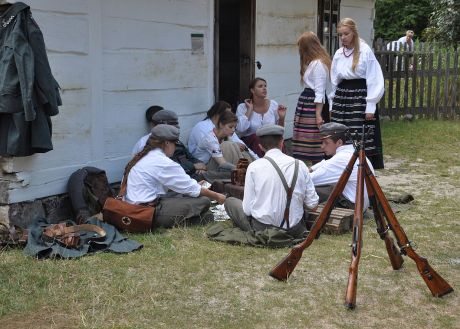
[
  {"x": 285, "y": 267},
  {"x": 396, "y": 259},
  {"x": 350, "y": 297},
  {"x": 437, "y": 285}
]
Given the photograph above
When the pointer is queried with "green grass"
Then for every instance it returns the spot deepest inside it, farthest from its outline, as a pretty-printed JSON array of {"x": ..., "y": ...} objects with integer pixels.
[{"x": 180, "y": 279}]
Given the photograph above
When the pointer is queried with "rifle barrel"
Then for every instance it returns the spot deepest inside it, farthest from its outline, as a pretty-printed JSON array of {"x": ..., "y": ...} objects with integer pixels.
[{"x": 350, "y": 297}]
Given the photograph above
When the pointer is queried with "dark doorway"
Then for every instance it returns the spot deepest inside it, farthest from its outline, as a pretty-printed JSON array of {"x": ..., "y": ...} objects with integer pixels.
[{"x": 234, "y": 49}]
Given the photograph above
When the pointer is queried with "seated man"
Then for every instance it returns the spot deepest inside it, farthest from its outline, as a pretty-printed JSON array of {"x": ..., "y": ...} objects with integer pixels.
[
  {"x": 326, "y": 174},
  {"x": 192, "y": 166},
  {"x": 265, "y": 199}
]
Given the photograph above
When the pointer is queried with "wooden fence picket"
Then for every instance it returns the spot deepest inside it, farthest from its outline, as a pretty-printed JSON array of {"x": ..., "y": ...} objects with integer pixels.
[{"x": 421, "y": 80}]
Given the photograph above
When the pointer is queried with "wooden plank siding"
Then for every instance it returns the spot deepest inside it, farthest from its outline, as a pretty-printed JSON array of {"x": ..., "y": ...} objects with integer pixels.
[{"x": 422, "y": 81}]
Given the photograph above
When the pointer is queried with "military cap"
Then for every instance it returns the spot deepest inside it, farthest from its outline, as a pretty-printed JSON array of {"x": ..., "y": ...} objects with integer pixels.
[
  {"x": 332, "y": 128},
  {"x": 270, "y": 130},
  {"x": 165, "y": 117},
  {"x": 164, "y": 132}
]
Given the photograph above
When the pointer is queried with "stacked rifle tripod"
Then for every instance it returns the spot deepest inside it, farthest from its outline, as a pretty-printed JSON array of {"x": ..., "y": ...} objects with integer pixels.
[{"x": 385, "y": 219}]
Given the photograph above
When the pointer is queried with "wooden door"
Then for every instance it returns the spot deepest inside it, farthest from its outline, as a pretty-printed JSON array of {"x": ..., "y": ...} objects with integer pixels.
[{"x": 234, "y": 49}]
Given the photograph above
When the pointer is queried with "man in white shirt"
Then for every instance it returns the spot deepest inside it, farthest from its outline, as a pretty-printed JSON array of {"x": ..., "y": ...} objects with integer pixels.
[
  {"x": 265, "y": 197},
  {"x": 407, "y": 42},
  {"x": 326, "y": 174}
]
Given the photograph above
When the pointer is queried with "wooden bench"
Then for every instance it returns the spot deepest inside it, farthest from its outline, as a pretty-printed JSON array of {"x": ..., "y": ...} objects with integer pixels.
[{"x": 339, "y": 222}]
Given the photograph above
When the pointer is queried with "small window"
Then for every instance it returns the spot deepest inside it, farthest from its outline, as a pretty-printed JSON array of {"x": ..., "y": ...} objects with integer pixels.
[{"x": 328, "y": 18}]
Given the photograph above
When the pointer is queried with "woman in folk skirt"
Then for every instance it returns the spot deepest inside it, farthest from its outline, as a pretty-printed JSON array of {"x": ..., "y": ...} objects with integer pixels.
[
  {"x": 357, "y": 87},
  {"x": 315, "y": 64}
]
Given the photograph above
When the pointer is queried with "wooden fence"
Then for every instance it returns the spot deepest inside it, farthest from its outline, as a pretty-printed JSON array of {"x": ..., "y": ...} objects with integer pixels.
[{"x": 421, "y": 81}]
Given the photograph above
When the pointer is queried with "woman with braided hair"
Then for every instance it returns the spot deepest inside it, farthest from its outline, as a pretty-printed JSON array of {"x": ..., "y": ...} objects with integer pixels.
[{"x": 151, "y": 174}]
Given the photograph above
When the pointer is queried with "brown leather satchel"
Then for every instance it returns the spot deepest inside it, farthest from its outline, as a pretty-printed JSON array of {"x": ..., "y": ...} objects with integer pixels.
[{"x": 126, "y": 216}]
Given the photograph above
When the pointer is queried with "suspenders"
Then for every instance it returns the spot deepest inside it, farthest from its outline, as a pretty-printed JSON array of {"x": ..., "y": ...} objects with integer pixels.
[{"x": 289, "y": 190}]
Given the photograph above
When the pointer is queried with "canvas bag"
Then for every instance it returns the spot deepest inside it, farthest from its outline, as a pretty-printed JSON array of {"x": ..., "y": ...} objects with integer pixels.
[{"x": 125, "y": 216}]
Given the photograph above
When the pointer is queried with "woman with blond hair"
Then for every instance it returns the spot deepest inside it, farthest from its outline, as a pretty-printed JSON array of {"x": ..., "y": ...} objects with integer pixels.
[
  {"x": 315, "y": 64},
  {"x": 357, "y": 87}
]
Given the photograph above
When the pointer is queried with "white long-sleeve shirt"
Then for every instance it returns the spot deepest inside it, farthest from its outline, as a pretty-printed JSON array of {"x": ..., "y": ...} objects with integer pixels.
[
  {"x": 265, "y": 196},
  {"x": 248, "y": 126},
  {"x": 316, "y": 77},
  {"x": 154, "y": 174},
  {"x": 368, "y": 68},
  {"x": 328, "y": 172}
]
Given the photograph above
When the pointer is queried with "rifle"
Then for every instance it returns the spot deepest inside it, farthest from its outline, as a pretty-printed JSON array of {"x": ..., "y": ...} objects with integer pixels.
[
  {"x": 350, "y": 297},
  {"x": 437, "y": 285},
  {"x": 394, "y": 255},
  {"x": 286, "y": 266}
]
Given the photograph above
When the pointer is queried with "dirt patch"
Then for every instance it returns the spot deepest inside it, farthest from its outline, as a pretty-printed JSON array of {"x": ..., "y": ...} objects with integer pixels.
[{"x": 416, "y": 178}]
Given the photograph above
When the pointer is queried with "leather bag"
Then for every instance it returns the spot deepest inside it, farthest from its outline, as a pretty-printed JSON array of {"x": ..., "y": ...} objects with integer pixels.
[{"x": 126, "y": 216}]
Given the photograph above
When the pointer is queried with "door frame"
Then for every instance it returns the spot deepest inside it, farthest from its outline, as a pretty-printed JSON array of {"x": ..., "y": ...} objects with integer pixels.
[{"x": 247, "y": 16}]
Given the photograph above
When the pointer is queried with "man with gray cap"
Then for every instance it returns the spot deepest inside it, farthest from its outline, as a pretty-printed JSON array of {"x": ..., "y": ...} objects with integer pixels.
[
  {"x": 192, "y": 166},
  {"x": 152, "y": 175},
  {"x": 326, "y": 174},
  {"x": 277, "y": 187}
]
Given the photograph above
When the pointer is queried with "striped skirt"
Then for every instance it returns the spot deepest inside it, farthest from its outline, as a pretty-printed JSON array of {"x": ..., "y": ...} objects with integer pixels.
[
  {"x": 349, "y": 107},
  {"x": 306, "y": 142}
]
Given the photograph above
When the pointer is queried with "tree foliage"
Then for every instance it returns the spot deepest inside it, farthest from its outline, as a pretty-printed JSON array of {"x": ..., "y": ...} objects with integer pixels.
[
  {"x": 445, "y": 22},
  {"x": 394, "y": 17}
]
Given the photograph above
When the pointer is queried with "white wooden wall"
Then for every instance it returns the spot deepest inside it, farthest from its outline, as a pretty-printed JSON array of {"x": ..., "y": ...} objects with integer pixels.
[
  {"x": 362, "y": 12},
  {"x": 113, "y": 59},
  {"x": 278, "y": 25}
]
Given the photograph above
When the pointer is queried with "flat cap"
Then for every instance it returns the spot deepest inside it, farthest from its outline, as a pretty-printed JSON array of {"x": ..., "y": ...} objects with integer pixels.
[
  {"x": 270, "y": 130},
  {"x": 166, "y": 117},
  {"x": 332, "y": 128},
  {"x": 164, "y": 132}
]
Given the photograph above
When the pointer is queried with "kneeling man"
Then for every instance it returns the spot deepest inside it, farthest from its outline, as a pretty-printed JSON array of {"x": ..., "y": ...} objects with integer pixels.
[
  {"x": 266, "y": 204},
  {"x": 326, "y": 174}
]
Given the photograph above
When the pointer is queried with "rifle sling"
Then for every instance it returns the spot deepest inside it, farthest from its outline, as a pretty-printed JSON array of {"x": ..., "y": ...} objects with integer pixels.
[{"x": 289, "y": 190}]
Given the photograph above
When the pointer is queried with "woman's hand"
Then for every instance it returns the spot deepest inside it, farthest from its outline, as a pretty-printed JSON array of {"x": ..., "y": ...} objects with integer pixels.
[
  {"x": 242, "y": 147},
  {"x": 249, "y": 104},
  {"x": 319, "y": 120},
  {"x": 369, "y": 117},
  {"x": 220, "y": 198},
  {"x": 282, "y": 112}
]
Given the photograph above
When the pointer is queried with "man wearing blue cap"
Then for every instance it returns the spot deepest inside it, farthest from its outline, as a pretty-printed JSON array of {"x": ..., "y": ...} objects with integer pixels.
[
  {"x": 277, "y": 187},
  {"x": 326, "y": 174}
]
